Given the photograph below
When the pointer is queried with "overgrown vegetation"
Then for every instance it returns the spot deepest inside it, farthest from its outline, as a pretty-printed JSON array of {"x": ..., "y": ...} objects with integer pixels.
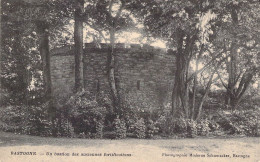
[
  {"x": 84, "y": 117},
  {"x": 216, "y": 79}
]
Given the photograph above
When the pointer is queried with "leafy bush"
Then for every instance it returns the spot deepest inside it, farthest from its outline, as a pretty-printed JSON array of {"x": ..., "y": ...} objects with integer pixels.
[
  {"x": 172, "y": 126},
  {"x": 65, "y": 128},
  {"x": 104, "y": 100},
  {"x": 214, "y": 126},
  {"x": 184, "y": 127},
  {"x": 151, "y": 129},
  {"x": 240, "y": 122},
  {"x": 249, "y": 121},
  {"x": 130, "y": 121},
  {"x": 99, "y": 129},
  {"x": 38, "y": 124},
  {"x": 139, "y": 128},
  {"x": 165, "y": 124},
  {"x": 119, "y": 128},
  {"x": 14, "y": 118},
  {"x": 203, "y": 127},
  {"x": 191, "y": 127},
  {"x": 86, "y": 115},
  {"x": 32, "y": 120}
]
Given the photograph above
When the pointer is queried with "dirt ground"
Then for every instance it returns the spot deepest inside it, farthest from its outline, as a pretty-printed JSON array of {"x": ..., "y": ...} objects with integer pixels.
[{"x": 30, "y": 148}]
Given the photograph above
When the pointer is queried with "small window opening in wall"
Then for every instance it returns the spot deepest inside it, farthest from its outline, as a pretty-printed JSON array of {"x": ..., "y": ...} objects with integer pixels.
[
  {"x": 138, "y": 84},
  {"x": 98, "y": 85}
]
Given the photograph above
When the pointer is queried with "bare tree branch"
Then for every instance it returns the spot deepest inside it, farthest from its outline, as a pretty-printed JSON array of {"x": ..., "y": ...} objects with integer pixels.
[
  {"x": 98, "y": 30},
  {"x": 206, "y": 66},
  {"x": 205, "y": 95},
  {"x": 221, "y": 80},
  {"x": 121, "y": 8},
  {"x": 110, "y": 6}
]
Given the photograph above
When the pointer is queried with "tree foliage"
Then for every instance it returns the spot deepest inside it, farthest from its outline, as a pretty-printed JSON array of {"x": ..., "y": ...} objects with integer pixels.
[
  {"x": 214, "y": 42},
  {"x": 111, "y": 17},
  {"x": 237, "y": 33},
  {"x": 194, "y": 29}
]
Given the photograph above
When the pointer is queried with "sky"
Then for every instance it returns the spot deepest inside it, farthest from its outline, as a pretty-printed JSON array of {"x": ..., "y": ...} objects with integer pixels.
[
  {"x": 129, "y": 37},
  {"x": 137, "y": 38}
]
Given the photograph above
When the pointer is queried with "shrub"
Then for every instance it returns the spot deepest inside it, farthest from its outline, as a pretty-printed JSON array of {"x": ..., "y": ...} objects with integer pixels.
[
  {"x": 171, "y": 126},
  {"x": 203, "y": 127},
  {"x": 183, "y": 127},
  {"x": 164, "y": 124},
  {"x": 86, "y": 115},
  {"x": 83, "y": 135},
  {"x": 191, "y": 128},
  {"x": 14, "y": 118},
  {"x": 244, "y": 122},
  {"x": 38, "y": 124},
  {"x": 104, "y": 100},
  {"x": 214, "y": 126},
  {"x": 151, "y": 129},
  {"x": 247, "y": 121},
  {"x": 99, "y": 130},
  {"x": 241, "y": 122},
  {"x": 119, "y": 128},
  {"x": 65, "y": 128},
  {"x": 130, "y": 121},
  {"x": 140, "y": 128},
  {"x": 32, "y": 120}
]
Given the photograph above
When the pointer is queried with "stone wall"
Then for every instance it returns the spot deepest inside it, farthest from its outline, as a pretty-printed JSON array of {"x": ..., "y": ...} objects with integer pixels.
[
  {"x": 145, "y": 74},
  {"x": 62, "y": 71}
]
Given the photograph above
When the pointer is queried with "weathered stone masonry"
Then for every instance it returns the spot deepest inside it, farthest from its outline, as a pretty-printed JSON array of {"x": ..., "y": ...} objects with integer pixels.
[{"x": 146, "y": 74}]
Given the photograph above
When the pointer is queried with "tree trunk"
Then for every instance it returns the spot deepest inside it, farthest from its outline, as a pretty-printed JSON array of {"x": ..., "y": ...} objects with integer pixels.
[
  {"x": 194, "y": 89},
  {"x": 179, "y": 81},
  {"x": 111, "y": 72},
  {"x": 43, "y": 33},
  {"x": 78, "y": 40},
  {"x": 195, "y": 80},
  {"x": 204, "y": 96},
  {"x": 231, "y": 64},
  {"x": 180, "y": 94},
  {"x": 243, "y": 86},
  {"x": 232, "y": 73},
  {"x": 233, "y": 97}
]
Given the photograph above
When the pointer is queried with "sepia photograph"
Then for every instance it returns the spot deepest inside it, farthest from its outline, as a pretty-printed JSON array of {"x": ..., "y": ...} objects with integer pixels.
[{"x": 130, "y": 80}]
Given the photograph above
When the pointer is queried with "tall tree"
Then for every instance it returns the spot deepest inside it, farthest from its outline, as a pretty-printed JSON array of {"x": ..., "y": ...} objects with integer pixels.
[
  {"x": 238, "y": 35},
  {"x": 13, "y": 63},
  {"x": 42, "y": 29},
  {"x": 17, "y": 56},
  {"x": 40, "y": 17},
  {"x": 181, "y": 24},
  {"x": 78, "y": 39},
  {"x": 110, "y": 16}
]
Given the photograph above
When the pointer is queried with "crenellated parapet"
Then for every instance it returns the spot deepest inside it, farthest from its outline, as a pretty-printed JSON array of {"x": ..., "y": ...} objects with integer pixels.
[
  {"x": 102, "y": 47},
  {"x": 64, "y": 50},
  {"x": 123, "y": 47}
]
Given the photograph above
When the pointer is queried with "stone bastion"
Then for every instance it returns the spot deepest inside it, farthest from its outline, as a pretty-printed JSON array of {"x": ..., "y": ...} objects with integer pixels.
[{"x": 145, "y": 73}]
